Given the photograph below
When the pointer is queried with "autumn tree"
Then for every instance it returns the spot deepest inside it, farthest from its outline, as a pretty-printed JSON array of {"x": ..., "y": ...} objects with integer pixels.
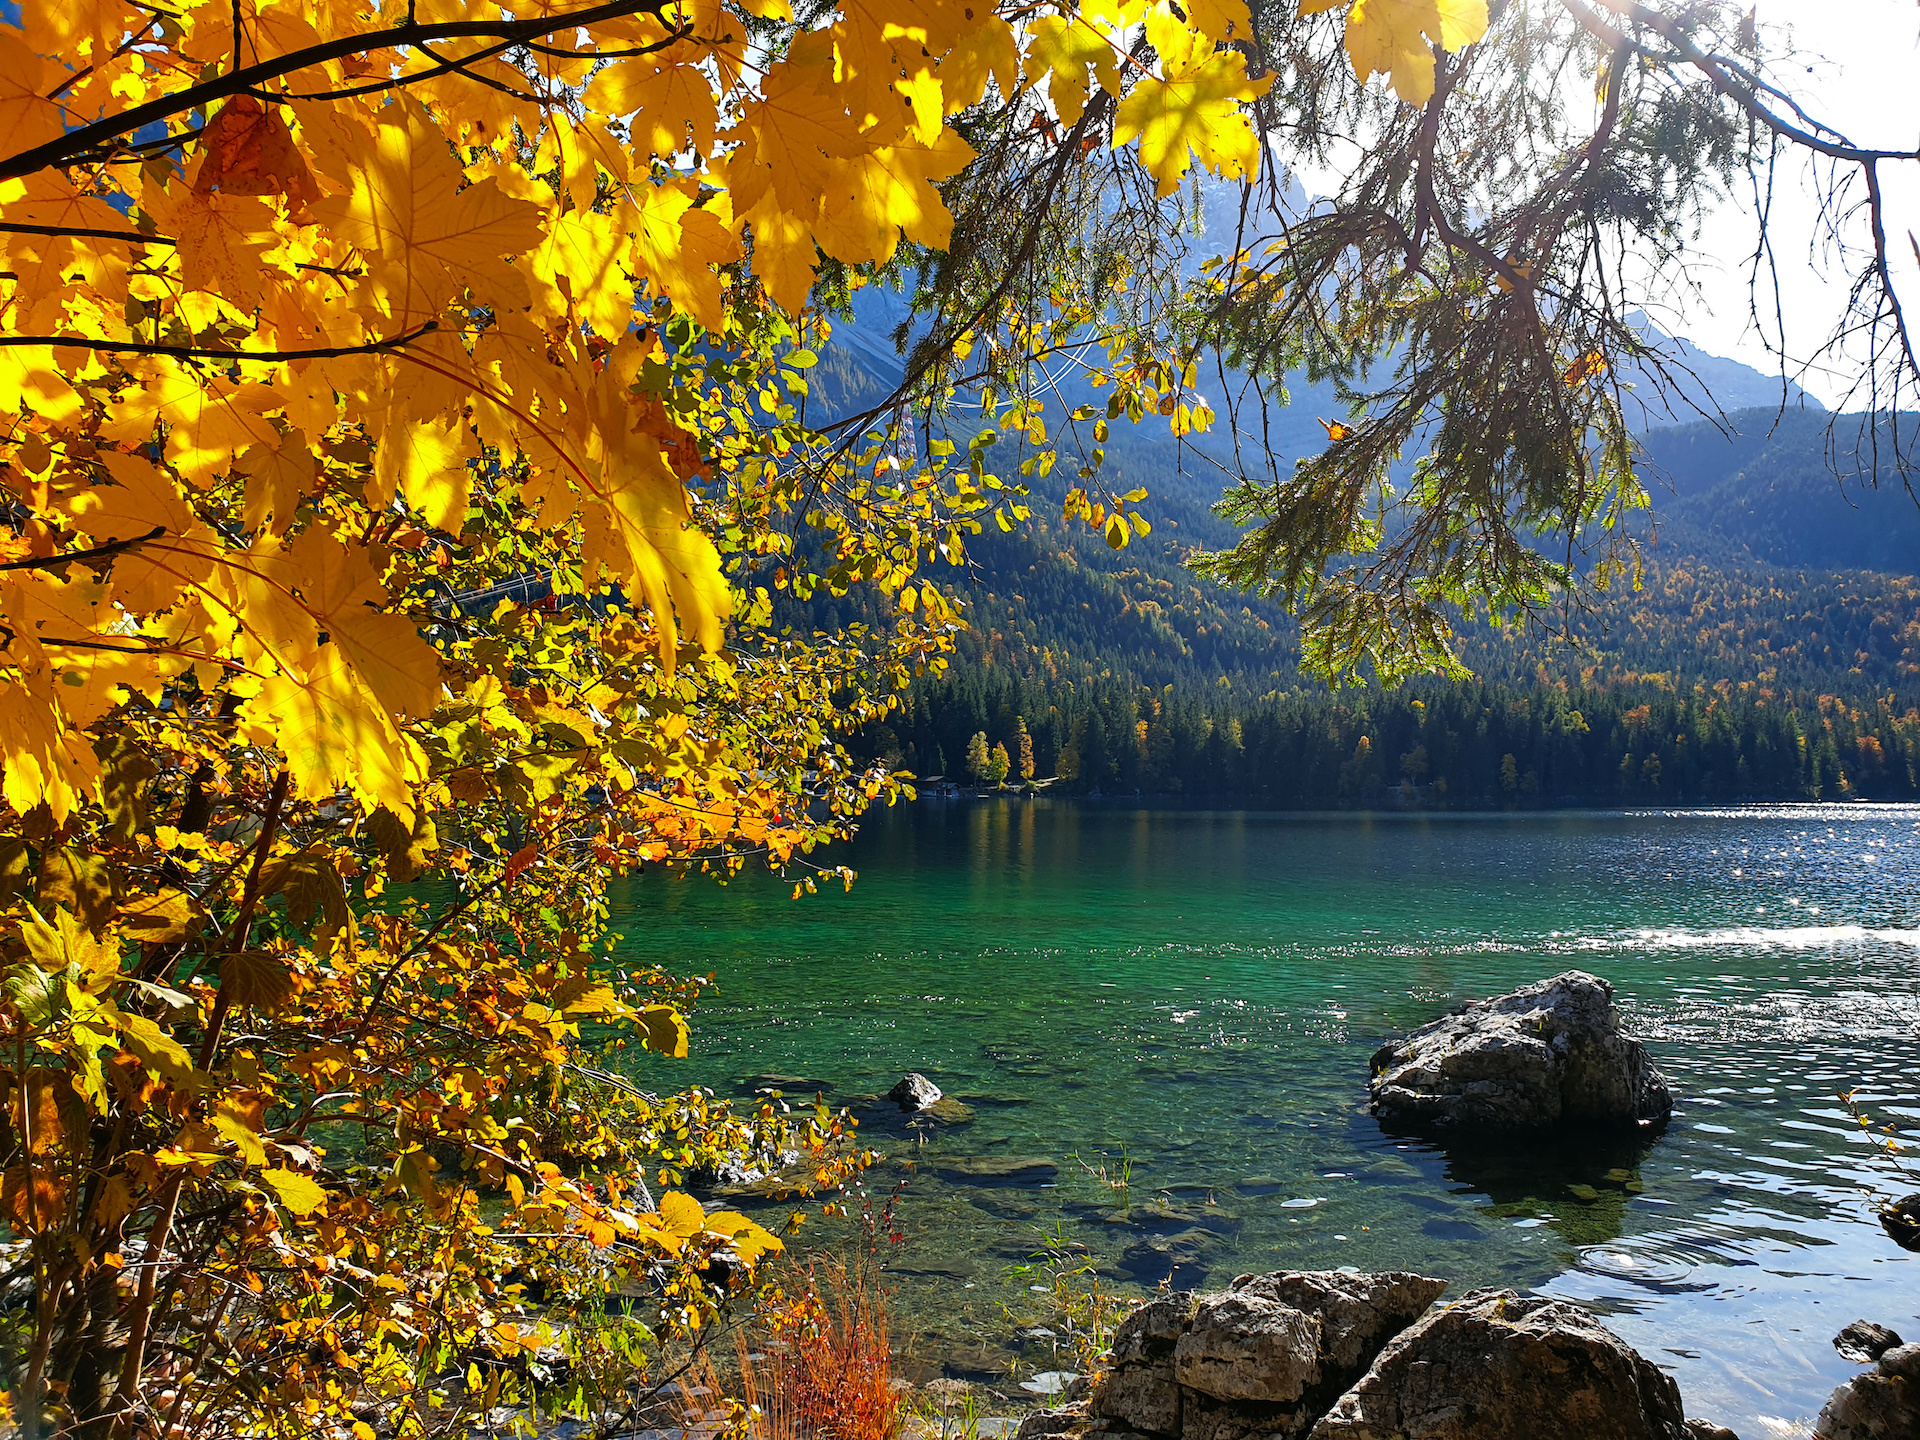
[
  {"x": 1024, "y": 743},
  {"x": 978, "y": 757},
  {"x": 997, "y": 766}
]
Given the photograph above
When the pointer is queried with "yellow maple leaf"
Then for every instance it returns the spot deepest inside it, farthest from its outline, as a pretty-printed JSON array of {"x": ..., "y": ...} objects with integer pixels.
[
  {"x": 46, "y": 761},
  {"x": 641, "y": 533},
  {"x": 27, "y": 117},
  {"x": 987, "y": 51},
  {"x": 1073, "y": 55},
  {"x": 1195, "y": 112},
  {"x": 1221, "y": 20},
  {"x": 676, "y": 245},
  {"x": 433, "y": 472},
  {"x": 669, "y": 105},
  {"x": 279, "y": 475},
  {"x": 876, "y": 197},
  {"x": 222, "y": 241},
  {"x": 1396, "y": 38},
  {"x": 339, "y": 587},
  {"x": 142, "y": 499},
  {"x": 784, "y": 256},
  {"x": 299, "y": 1193},
  {"x": 433, "y": 238},
  {"x": 333, "y": 732}
]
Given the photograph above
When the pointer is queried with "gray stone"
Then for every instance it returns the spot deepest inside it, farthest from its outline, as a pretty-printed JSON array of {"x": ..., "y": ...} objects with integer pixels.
[
  {"x": 1205, "y": 1418},
  {"x": 1142, "y": 1397},
  {"x": 949, "y": 1111},
  {"x": 1149, "y": 1333},
  {"x": 1358, "y": 1314},
  {"x": 1502, "y": 1366},
  {"x": 1047, "y": 1424},
  {"x": 1883, "y": 1404},
  {"x": 1544, "y": 1055},
  {"x": 1707, "y": 1430},
  {"x": 916, "y": 1092},
  {"x": 1245, "y": 1346},
  {"x": 1864, "y": 1342},
  {"x": 1902, "y": 1362}
]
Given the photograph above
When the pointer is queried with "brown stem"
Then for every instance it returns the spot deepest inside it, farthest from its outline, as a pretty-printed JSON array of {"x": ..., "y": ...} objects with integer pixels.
[
  {"x": 243, "y": 922},
  {"x": 140, "y": 1313}
]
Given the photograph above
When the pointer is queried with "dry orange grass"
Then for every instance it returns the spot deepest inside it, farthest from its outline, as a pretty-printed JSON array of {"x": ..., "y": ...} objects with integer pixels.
[{"x": 825, "y": 1372}]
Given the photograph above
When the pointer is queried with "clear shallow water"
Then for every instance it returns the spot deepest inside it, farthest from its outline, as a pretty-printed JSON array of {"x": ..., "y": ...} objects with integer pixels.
[{"x": 1201, "y": 992}]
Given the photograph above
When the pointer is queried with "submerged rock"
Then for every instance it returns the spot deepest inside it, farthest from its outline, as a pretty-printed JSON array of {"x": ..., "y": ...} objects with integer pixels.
[
  {"x": 1883, "y": 1404},
  {"x": 1182, "y": 1258},
  {"x": 998, "y": 1170},
  {"x": 915, "y": 1092},
  {"x": 1503, "y": 1366},
  {"x": 1543, "y": 1055}
]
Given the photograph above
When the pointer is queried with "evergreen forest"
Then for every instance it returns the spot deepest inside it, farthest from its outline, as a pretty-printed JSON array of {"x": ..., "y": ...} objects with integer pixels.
[{"x": 1770, "y": 650}]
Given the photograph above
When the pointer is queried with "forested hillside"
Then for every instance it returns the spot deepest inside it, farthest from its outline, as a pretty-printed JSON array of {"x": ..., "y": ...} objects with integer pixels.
[{"x": 1771, "y": 649}]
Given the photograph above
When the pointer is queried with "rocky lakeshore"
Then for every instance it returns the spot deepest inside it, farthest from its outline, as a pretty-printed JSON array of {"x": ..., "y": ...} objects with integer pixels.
[
  {"x": 1337, "y": 1355},
  {"x": 1287, "y": 1355}
]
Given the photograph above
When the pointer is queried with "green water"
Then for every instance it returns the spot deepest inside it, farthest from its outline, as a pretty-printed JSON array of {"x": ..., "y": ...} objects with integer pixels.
[{"x": 1199, "y": 993}]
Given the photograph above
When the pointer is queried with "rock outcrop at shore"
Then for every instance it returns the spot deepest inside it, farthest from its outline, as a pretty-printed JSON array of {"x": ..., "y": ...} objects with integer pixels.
[
  {"x": 1544, "y": 1055},
  {"x": 1882, "y": 1404},
  {"x": 1329, "y": 1355},
  {"x": 1501, "y": 1366}
]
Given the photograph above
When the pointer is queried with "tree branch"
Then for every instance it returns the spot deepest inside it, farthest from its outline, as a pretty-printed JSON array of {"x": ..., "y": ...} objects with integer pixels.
[
  {"x": 132, "y": 237},
  {"x": 188, "y": 352},
  {"x": 98, "y": 552},
  {"x": 78, "y": 141}
]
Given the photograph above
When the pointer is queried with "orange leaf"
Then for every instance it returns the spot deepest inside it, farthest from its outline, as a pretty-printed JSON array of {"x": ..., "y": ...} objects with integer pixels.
[{"x": 248, "y": 150}]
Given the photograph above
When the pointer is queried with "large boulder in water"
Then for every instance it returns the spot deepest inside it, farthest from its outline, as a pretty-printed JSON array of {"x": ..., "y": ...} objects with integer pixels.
[
  {"x": 1546, "y": 1054},
  {"x": 1503, "y": 1366},
  {"x": 915, "y": 1092}
]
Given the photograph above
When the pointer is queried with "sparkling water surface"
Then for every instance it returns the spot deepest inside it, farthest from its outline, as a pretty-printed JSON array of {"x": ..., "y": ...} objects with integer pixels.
[{"x": 1195, "y": 996}]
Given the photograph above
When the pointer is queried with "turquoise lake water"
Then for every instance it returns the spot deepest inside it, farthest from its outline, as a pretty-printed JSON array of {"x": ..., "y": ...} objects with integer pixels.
[{"x": 1200, "y": 992}]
